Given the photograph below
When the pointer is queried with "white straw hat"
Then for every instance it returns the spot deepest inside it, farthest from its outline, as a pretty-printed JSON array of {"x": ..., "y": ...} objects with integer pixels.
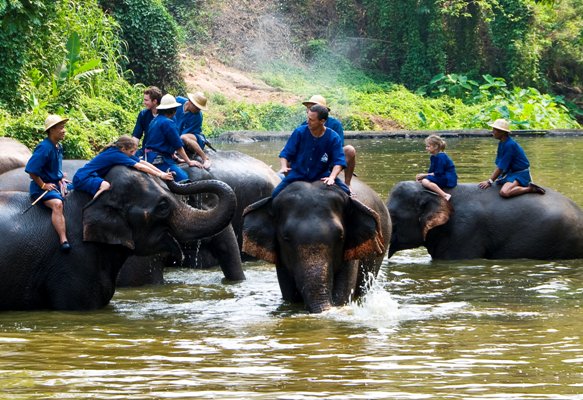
[
  {"x": 501, "y": 124},
  {"x": 53, "y": 120},
  {"x": 316, "y": 99},
  {"x": 167, "y": 102},
  {"x": 197, "y": 99}
]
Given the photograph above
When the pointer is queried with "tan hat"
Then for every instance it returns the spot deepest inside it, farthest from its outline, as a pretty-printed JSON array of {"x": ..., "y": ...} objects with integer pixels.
[
  {"x": 316, "y": 99},
  {"x": 53, "y": 120},
  {"x": 197, "y": 99},
  {"x": 501, "y": 124},
  {"x": 168, "y": 101}
]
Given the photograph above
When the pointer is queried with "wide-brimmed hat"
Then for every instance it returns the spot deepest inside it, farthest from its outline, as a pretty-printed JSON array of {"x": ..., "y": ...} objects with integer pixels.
[
  {"x": 53, "y": 120},
  {"x": 197, "y": 99},
  {"x": 167, "y": 102},
  {"x": 316, "y": 99},
  {"x": 501, "y": 124}
]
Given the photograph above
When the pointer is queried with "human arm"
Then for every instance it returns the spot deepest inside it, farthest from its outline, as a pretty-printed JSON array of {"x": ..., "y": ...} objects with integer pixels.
[
  {"x": 486, "y": 184},
  {"x": 284, "y": 166},
  {"x": 44, "y": 186},
  {"x": 191, "y": 163},
  {"x": 148, "y": 168},
  {"x": 329, "y": 180}
]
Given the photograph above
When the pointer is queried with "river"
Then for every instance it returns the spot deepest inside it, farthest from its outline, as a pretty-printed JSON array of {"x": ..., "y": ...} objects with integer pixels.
[{"x": 475, "y": 329}]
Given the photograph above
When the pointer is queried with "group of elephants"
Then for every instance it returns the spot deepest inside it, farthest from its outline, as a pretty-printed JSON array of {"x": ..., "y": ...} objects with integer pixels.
[{"x": 324, "y": 244}]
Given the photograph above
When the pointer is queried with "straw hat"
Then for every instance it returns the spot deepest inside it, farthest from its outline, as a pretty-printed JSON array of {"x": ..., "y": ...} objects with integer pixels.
[
  {"x": 316, "y": 99},
  {"x": 53, "y": 120},
  {"x": 197, "y": 99},
  {"x": 501, "y": 124},
  {"x": 167, "y": 102}
]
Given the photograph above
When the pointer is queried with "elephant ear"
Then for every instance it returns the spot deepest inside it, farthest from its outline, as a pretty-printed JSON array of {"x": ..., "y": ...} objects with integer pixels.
[
  {"x": 259, "y": 231},
  {"x": 364, "y": 237},
  {"x": 435, "y": 213},
  {"x": 104, "y": 222}
]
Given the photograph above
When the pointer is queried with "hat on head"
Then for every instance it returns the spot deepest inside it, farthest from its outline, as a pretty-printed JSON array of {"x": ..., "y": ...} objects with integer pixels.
[
  {"x": 316, "y": 99},
  {"x": 501, "y": 124},
  {"x": 167, "y": 102},
  {"x": 53, "y": 120},
  {"x": 197, "y": 99}
]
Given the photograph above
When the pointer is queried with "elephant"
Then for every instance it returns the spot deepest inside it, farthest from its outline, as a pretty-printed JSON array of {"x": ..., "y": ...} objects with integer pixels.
[
  {"x": 18, "y": 180},
  {"x": 138, "y": 215},
  {"x": 324, "y": 243},
  {"x": 479, "y": 223},
  {"x": 13, "y": 154}
]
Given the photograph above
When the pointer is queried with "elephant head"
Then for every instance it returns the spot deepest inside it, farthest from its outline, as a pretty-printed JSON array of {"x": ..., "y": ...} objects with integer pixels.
[
  {"x": 140, "y": 213},
  {"x": 314, "y": 234},
  {"x": 414, "y": 212}
]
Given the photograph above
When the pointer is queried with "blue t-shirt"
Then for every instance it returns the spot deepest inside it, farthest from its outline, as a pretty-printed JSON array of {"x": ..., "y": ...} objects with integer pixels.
[
  {"x": 102, "y": 163},
  {"x": 312, "y": 158},
  {"x": 142, "y": 124},
  {"x": 163, "y": 136},
  {"x": 443, "y": 169},
  {"x": 335, "y": 125},
  {"x": 510, "y": 157},
  {"x": 187, "y": 122},
  {"x": 46, "y": 161}
]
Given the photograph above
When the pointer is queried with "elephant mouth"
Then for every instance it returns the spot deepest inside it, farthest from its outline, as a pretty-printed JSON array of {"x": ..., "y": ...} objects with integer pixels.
[{"x": 168, "y": 243}]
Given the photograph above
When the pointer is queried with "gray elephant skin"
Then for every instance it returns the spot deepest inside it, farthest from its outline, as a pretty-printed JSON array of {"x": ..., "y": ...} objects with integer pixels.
[
  {"x": 324, "y": 244},
  {"x": 13, "y": 154},
  {"x": 479, "y": 223},
  {"x": 139, "y": 215}
]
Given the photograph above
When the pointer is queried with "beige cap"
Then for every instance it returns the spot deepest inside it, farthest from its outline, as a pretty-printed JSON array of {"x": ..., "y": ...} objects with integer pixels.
[
  {"x": 168, "y": 101},
  {"x": 316, "y": 99},
  {"x": 53, "y": 120},
  {"x": 501, "y": 124},
  {"x": 197, "y": 99}
]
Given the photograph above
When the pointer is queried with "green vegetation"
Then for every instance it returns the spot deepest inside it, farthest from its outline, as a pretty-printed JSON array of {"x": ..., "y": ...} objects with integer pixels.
[{"x": 382, "y": 64}]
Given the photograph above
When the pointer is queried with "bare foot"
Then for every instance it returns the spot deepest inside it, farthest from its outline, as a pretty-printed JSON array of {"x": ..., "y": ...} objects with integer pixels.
[
  {"x": 447, "y": 196},
  {"x": 206, "y": 164}
]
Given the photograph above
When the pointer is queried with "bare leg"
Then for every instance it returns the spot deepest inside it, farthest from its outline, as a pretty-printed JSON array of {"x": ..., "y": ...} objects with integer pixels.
[
  {"x": 190, "y": 141},
  {"x": 58, "y": 218},
  {"x": 435, "y": 188},
  {"x": 511, "y": 189},
  {"x": 102, "y": 188},
  {"x": 350, "y": 155}
]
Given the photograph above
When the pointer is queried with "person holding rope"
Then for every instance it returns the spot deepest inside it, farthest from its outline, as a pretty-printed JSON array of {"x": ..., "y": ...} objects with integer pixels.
[
  {"x": 91, "y": 177},
  {"x": 45, "y": 170}
]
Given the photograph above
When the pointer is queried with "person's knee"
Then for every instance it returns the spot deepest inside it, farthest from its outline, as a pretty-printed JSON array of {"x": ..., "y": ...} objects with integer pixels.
[
  {"x": 104, "y": 186},
  {"x": 349, "y": 152},
  {"x": 504, "y": 192},
  {"x": 56, "y": 206}
]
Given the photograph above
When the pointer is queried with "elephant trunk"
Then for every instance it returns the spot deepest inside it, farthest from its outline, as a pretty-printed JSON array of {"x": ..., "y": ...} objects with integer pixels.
[
  {"x": 314, "y": 278},
  {"x": 191, "y": 224}
]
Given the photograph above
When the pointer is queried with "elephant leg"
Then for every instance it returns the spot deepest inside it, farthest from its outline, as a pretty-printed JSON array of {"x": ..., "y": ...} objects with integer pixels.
[
  {"x": 345, "y": 283},
  {"x": 225, "y": 249},
  {"x": 287, "y": 284}
]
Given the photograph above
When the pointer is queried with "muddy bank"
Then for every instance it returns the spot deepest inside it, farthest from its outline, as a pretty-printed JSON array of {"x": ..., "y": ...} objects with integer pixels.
[{"x": 257, "y": 136}]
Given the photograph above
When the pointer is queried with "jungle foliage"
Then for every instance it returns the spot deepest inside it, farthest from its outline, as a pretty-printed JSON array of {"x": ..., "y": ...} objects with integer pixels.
[{"x": 423, "y": 64}]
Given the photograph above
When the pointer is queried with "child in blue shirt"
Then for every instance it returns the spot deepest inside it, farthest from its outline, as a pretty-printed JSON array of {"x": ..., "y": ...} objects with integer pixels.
[
  {"x": 441, "y": 173},
  {"x": 90, "y": 177}
]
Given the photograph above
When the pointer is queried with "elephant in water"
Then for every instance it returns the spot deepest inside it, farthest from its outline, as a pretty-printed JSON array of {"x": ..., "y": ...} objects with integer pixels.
[
  {"x": 323, "y": 243},
  {"x": 138, "y": 215},
  {"x": 478, "y": 223}
]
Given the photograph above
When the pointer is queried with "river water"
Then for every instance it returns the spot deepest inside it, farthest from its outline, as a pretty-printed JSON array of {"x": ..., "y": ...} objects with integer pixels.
[{"x": 427, "y": 330}]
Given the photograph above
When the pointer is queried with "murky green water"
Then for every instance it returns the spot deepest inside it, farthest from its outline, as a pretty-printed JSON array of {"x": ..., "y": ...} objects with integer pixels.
[{"x": 427, "y": 330}]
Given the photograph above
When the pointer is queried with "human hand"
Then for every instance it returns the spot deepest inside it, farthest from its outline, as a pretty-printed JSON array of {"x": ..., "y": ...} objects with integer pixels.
[
  {"x": 328, "y": 180},
  {"x": 484, "y": 184},
  {"x": 284, "y": 170},
  {"x": 167, "y": 176},
  {"x": 194, "y": 163},
  {"x": 420, "y": 176}
]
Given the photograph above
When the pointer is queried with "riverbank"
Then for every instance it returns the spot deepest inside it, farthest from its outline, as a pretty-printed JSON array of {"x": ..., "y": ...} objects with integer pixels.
[{"x": 258, "y": 136}]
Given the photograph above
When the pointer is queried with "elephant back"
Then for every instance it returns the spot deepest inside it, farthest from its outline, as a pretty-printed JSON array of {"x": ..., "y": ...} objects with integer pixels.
[{"x": 13, "y": 154}]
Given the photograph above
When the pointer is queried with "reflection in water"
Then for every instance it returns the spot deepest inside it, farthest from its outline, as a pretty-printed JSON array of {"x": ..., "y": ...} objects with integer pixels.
[{"x": 426, "y": 330}]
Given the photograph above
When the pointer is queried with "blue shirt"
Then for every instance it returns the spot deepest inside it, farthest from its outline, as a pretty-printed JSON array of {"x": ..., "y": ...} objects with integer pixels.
[
  {"x": 142, "y": 123},
  {"x": 312, "y": 158},
  {"x": 46, "y": 162},
  {"x": 187, "y": 122},
  {"x": 510, "y": 157},
  {"x": 443, "y": 168},
  {"x": 335, "y": 125},
  {"x": 163, "y": 136},
  {"x": 102, "y": 163}
]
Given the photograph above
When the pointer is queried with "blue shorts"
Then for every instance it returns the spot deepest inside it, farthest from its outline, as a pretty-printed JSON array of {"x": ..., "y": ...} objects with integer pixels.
[
  {"x": 36, "y": 192},
  {"x": 523, "y": 178},
  {"x": 439, "y": 181},
  {"x": 289, "y": 180},
  {"x": 90, "y": 184},
  {"x": 165, "y": 163}
]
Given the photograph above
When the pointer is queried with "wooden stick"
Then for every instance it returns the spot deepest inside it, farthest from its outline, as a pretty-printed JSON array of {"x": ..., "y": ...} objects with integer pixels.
[{"x": 36, "y": 201}]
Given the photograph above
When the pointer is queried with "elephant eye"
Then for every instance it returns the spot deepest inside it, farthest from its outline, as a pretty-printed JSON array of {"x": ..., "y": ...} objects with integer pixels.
[{"x": 162, "y": 208}]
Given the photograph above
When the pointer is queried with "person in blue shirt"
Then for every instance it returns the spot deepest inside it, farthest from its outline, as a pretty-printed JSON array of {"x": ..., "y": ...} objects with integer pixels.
[
  {"x": 152, "y": 97},
  {"x": 336, "y": 126},
  {"x": 313, "y": 152},
  {"x": 512, "y": 167},
  {"x": 46, "y": 171},
  {"x": 164, "y": 140},
  {"x": 91, "y": 177},
  {"x": 189, "y": 121},
  {"x": 441, "y": 173}
]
